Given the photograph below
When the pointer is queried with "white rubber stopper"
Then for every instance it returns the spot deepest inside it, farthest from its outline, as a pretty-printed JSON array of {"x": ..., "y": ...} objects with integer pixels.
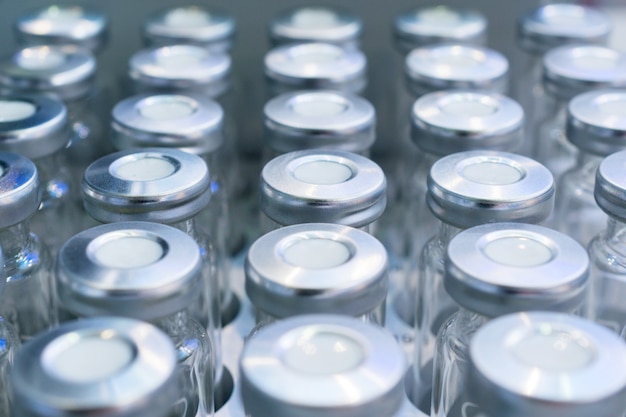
[
  {"x": 492, "y": 173},
  {"x": 187, "y": 17},
  {"x": 144, "y": 169},
  {"x": 316, "y": 253},
  {"x": 323, "y": 173},
  {"x": 318, "y": 106},
  {"x": 176, "y": 59},
  {"x": 316, "y": 56},
  {"x": 518, "y": 251},
  {"x": 613, "y": 107},
  {"x": 128, "y": 252},
  {"x": 40, "y": 58},
  {"x": 312, "y": 18},
  {"x": 439, "y": 16},
  {"x": 14, "y": 110},
  {"x": 567, "y": 16},
  {"x": 594, "y": 62},
  {"x": 169, "y": 109},
  {"x": 456, "y": 62},
  {"x": 468, "y": 108}
]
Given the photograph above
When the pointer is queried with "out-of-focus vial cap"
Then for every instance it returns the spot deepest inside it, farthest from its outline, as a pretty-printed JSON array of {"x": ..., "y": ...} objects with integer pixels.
[
  {"x": 445, "y": 122},
  {"x": 20, "y": 195},
  {"x": 113, "y": 366},
  {"x": 322, "y": 365},
  {"x": 610, "y": 186},
  {"x": 63, "y": 24},
  {"x": 572, "y": 365},
  {"x": 552, "y": 25}
]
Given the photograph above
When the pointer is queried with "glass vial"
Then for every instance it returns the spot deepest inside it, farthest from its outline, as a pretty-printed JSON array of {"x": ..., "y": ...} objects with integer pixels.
[
  {"x": 597, "y": 128},
  {"x": 497, "y": 269},
  {"x": 322, "y": 365},
  {"x": 575, "y": 360},
  {"x": 9, "y": 342},
  {"x": 317, "y": 268},
  {"x": 145, "y": 271},
  {"x": 134, "y": 374}
]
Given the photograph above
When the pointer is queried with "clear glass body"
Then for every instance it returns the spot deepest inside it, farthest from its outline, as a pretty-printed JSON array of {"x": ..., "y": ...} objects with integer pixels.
[
  {"x": 9, "y": 342},
  {"x": 28, "y": 300},
  {"x": 530, "y": 94}
]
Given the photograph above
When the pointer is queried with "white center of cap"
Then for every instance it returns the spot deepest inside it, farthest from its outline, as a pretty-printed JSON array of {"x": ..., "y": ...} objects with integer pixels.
[
  {"x": 310, "y": 18},
  {"x": 492, "y": 173},
  {"x": 143, "y": 169},
  {"x": 91, "y": 359},
  {"x": 128, "y": 252},
  {"x": 613, "y": 107},
  {"x": 518, "y": 251},
  {"x": 169, "y": 109},
  {"x": 323, "y": 353},
  {"x": 316, "y": 253},
  {"x": 13, "y": 110},
  {"x": 457, "y": 62},
  {"x": 179, "y": 59},
  {"x": 316, "y": 56},
  {"x": 323, "y": 173},
  {"x": 594, "y": 62},
  {"x": 40, "y": 58},
  {"x": 439, "y": 16},
  {"x": 318, "y": 107},
  {"x": 63, "y": 14},
  {"x": 554, "y": 350},
  {"x": 468, "y": 108},
  {"x": 564, "y": 16},
  {"x": 187, "y": 17}
]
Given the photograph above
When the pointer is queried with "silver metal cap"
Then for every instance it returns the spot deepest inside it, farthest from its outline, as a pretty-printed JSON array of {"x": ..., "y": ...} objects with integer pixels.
[
  {"x": 316, "y": 66},
  {"x": 451, "y": 121},
  {"x": 319, "y": 120},
  {"x": 447, "y": 66},
  {"x": 316, "y": 268},
  {"x": 573, "y": 69},
  {"x": 189, "y": 122},
  {"x": 19, "y": 189},
  {"x": 438, "y": 24},
  {"x": 322, "y": 187},
  {"x": 316, "y": 24},
  {"x": 552, "y": 25},
  {"x": 466, "y": 189},
  {"x": 328, "y": 365},
  {"x": 63, "y": 25},
  {"x": 610, "y": 186},
  {"x": 140, "y": 270},
  {"x": 501, "y": 268},
  {"x": 531, "y": 364},
  {"x": 63, "y": 71},
  {"x": 33, "y": 125},
  {"x": 596, "y": 121},
  {"x": 180, "y": 67},
  {"x": 210, "y": 28},
  {"x": 152, "y": 184},
  {"x": 110, "y": 367}
]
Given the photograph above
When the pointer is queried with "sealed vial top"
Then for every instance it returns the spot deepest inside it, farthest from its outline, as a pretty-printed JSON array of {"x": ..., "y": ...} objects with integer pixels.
[
  {"x": 152, "y": 184},
  {"x": 110, "y": 366},
  {"x": 319, "y": 119},
  {"x": 469, "y": 188},
  {"x": 610, "y": 186},
  {"x": 64, "y": 71},
  {"x": 573, "y": 69},
  {"x": 500, "y": 268},
  {"x": 552, "y": 25},
  {"x": 211, "y": 28},
  {"x": 61, "y": 24},
  {"x": 534, "y": 363},
  {"x": 316, "y": 268},
  {"x": 180, "y": 67},
  {"x": 446, "y": 66},
  {"x": 139, "y": 270},
  {"x": 316, "y": 66},
  {"x": 596, "y": 121},
  {"x": 335, "y": 366},
  {"x": 315, "y": 24},
  {"x": 322, "y": 187},
  {"x": 33, "y": 125},
  {"x": 19, "y": 189},
  {"x": 189, "y": 122},
  {"x": 438, "y": 24},
  {"x": 451, "y": 121}
]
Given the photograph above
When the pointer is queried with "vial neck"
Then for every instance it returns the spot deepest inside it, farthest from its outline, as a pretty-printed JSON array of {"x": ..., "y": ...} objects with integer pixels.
[
  {"x": 588, "y": 163},
  {"x": 446, "y": 232},
  {"x": 615, "y": 235},
  {"x": 14, "y": 239},
  {"x": 188, "y": 226}
]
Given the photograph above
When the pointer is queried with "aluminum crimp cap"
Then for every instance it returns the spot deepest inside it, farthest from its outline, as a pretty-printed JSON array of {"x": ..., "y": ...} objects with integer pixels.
[
  {"x": 553, "y": 25},
  {"x": 596, "y": 122},
  {"x": 139, "y": 270},
  {"x": 316, "y": 268},
  {"x": 64, "y": 71},
  {"x": 189, "y": 122},
  {"x": 316, "y": 24},
  {"x": 322, "y": 119},
  {"x": 316, "y": 66},
  {"x": 208, "y": 27},
  {"x": 176, "y": 68},
  {"x": 447, "y": 66},
  {"x": 322, "y": 187},
  {"x": 610, "y": 186},
  {"x": 531, "y": 364},
  {"x": 451, "y": 121},
  {"x": 322, "y": 364},
  {"x": 470, "y": 188},
  {"x": 33, "y": 125},
  {"x": 570, "y": 70},
  {"x": 63, "y": 25},
  {"x": 501, "y": 268},
  {"x": 153, "y": 184},
  {"x": 109, "y": 366},
  {"x": 20, "y": 194},
  {"x": 438, "y": 24}
]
